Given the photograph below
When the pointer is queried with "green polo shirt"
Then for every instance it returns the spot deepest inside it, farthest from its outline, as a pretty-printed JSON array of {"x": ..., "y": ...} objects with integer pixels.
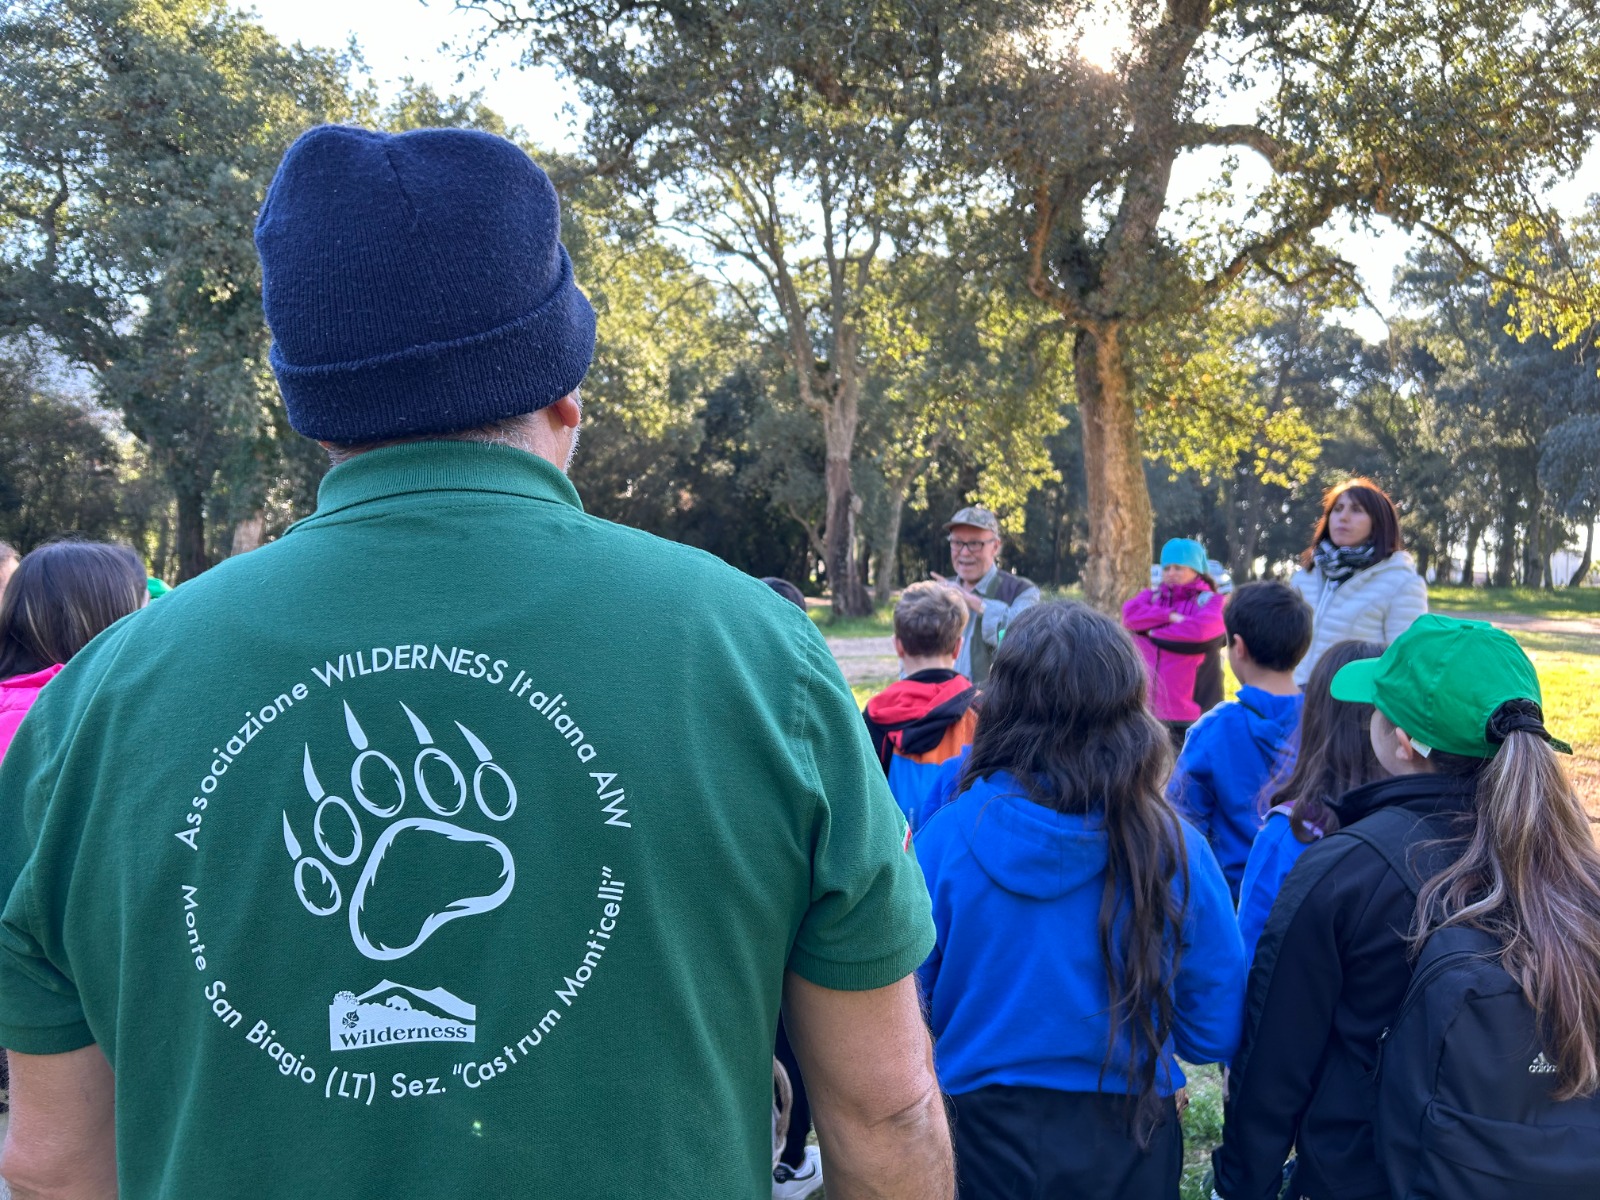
[{"x": 454, "y": 844}]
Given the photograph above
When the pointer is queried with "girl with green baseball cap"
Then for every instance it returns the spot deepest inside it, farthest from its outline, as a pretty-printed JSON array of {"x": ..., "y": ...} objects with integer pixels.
[{"x": 1501, "y": 843}]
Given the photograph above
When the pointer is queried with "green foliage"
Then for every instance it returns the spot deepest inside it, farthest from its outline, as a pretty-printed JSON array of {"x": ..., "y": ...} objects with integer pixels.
[
  {"x": 964, "y": 378},
  {"x": 58, "y": 464},
  {"x": 1473, "y": 411},
  {"x": 1569, "y": 467},
  {"x": 1443, "y": 119},
  {"x": 1214, "y": 395},
  {"x": 790, "y": 145},
  {"x": 1202, "y": 1130},
  {"x": 420, "y": 106},
  {"x": 1550, "y": 283},
  {"x": 139, "y": 136}
]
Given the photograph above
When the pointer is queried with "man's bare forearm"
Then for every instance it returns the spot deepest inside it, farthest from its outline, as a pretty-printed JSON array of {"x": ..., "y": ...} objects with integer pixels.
[
  {"x": 904, "y": 1157},
  {"x": 61, "y": 1140},
  {"x": 868, "y": 1063}
]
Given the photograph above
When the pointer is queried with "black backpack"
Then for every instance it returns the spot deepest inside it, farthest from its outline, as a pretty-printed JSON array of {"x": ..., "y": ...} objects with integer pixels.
[{"x": 1464, "y": 1105}]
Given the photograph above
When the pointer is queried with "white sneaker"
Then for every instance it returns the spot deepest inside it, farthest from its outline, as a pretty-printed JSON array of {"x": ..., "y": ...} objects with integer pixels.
[{"x": 795, "y": 1183}]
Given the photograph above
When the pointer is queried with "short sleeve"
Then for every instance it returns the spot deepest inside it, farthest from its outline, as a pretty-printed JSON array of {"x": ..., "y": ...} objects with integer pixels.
[
  {"x": 40, "y": 1012},
  {"x": 869, "y": 923}
]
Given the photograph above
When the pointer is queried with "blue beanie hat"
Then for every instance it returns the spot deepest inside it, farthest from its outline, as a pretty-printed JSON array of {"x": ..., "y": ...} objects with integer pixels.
[
  {"x": 416, "y": 283},
  {"x": 1185, "y": 552}
]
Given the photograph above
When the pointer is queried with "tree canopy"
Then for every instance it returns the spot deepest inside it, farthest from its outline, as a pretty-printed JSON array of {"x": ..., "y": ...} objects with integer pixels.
[{"x": 858, "y": 263}]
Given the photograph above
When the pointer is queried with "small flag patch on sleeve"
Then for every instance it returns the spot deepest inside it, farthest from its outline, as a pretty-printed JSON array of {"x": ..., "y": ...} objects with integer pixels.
[{"x": 905, "y": 846}]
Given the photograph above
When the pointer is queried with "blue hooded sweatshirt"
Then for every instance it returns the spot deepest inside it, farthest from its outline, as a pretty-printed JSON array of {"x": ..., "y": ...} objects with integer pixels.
[
  {"x": 1015, "y": 985},
  {"x": 942, "y": 787},
  {"x": 1275, "y": 852},
  {"x": 1230, "y": 756}
]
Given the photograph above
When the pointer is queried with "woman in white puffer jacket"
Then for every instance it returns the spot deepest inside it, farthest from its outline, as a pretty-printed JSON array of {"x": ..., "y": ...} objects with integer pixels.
[{"x": 1359, "y": 582}]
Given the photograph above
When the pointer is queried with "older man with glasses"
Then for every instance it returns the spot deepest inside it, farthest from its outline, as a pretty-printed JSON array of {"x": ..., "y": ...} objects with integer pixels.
[{"x": 993, "y": 597}]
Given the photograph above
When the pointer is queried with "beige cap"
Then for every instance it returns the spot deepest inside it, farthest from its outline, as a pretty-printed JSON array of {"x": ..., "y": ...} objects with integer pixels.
[{"x": 980, "y": 518}]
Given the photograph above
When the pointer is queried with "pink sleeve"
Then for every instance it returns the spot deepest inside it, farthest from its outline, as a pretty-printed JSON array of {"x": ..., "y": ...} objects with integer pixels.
[
  {"x": 1200, "y": 626},
  {"x": 1144, "y": 611}
]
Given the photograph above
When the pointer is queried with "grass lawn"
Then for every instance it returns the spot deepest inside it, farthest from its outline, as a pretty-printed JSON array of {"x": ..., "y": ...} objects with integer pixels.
[
  {"x": 879, "y": 624},
  {"x": 1568, "y": 662},
  {"x": 866, "y": 691},
  {"x": 1202, "y": 1130},
  {"x": 1557, "y": 604},
  {"x": 1569, "y": 677}
]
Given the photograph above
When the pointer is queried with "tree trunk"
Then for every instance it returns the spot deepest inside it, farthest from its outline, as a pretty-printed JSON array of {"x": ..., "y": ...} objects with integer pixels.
[
  {"x": 1469, "y": 558},
  {"x": 191, "y": 533},
  {"x": 162, "y": 562},
  {"x": 1250, "y": 541},
  {"x": 1120, "y": 522},
  {"x": 247, "y": 534},
  {"x": 850, "y": 597},
  {"x": 1587, "y": 561},
  {"x": 1505, "y": 560},
  {"x": 886, "y": 554}
]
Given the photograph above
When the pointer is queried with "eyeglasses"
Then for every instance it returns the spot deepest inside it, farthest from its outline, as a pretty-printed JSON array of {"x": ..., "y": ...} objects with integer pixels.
[{"x": 970, "y": 547}]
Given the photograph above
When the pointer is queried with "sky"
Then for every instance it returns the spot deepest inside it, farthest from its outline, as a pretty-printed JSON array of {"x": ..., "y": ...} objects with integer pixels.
[{"x": 427, "y": 41}]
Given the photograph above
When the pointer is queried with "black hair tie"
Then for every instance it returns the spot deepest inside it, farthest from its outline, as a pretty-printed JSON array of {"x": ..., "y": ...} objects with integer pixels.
[{"x": 1516, "y": 716}]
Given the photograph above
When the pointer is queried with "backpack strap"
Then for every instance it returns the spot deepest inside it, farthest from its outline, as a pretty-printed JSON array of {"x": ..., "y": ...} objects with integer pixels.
[{"x": 1392, "y": 832}]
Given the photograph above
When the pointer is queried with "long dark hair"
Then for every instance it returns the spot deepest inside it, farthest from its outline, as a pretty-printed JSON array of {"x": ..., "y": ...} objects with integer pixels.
[
  {"x": 60, "y": 596},
  {"x": 1335, "y": 753},
  {"x": 1064, "y": 712},
  {"x": 1370, "y": 499}
]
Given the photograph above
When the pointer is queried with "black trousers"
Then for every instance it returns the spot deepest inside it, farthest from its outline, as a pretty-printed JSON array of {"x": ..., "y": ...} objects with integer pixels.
[{"x": 1027, "y": 1143}]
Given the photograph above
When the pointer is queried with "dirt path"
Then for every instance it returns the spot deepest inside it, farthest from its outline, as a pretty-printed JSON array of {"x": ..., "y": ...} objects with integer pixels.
[{"x": 865, "y": 659}]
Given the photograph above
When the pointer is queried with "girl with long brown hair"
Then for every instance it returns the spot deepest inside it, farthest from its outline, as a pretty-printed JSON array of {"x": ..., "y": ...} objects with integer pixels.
[
  {"x": 1058, "y": 1045},
  {"x": 1508, "y": 850}
]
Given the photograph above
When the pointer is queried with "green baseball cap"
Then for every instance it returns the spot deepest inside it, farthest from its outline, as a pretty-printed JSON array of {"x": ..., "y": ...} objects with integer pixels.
[{"x": 1441, "y": 681}]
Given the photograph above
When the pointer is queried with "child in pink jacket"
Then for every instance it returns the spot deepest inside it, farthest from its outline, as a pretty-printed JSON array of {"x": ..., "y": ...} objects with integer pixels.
[
  {"x": 60, "y": 596},
  {"x": 1178, "y": 629},
  {"x": 17, "y": 695}
]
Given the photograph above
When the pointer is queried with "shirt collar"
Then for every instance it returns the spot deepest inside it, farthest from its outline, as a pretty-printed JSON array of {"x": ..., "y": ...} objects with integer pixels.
[
  {"x": 440, "y": 466},
  {"x": 988, "y": 578},
  {"x": 1453, "y": 792}
]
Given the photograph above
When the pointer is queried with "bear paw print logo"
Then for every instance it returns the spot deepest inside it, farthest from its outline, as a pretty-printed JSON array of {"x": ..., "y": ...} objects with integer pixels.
[{"x": 380, "y": 790}]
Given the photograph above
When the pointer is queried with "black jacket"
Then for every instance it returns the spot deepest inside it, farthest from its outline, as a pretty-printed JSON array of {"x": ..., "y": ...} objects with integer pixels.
[{"x": 1329, "y": 974}]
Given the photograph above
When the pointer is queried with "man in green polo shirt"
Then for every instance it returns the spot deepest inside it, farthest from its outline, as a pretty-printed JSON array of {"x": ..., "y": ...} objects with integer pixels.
[{"x": 444, "y": 846}]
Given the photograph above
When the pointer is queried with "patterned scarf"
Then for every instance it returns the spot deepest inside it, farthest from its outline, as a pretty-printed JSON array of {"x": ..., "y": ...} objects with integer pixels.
[{"x": 1338, "y": 563}]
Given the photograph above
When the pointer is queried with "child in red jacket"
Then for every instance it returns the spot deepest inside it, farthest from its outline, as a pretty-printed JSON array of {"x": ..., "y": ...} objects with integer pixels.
[
  {"x": 926, "y": 718},
  {"x": 1178, "y": 628}
]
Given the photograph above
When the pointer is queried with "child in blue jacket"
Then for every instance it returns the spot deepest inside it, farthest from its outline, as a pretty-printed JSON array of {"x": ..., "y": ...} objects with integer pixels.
[
  {"x": 1335, "y": 756},
  {"x": 1059, "y": 1004},
  {"x": 1237, "y": 749}
]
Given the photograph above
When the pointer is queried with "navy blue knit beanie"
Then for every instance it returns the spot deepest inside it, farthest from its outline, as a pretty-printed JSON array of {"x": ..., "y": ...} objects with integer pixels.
[{"x": 416, "y": 283}]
